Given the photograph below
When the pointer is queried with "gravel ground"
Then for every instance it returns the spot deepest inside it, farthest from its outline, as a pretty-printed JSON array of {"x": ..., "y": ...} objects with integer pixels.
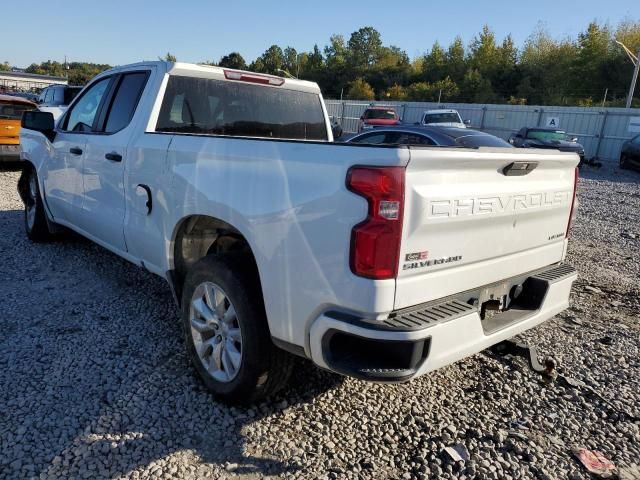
[{"x": 94, "y": 381}]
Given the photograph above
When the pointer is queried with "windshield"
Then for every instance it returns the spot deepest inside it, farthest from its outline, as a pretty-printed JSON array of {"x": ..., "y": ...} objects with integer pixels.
[
  {"x": 547, "y": 135},
  {"x": 380, "y": 114},
  {"x": 442, "y": 118},
  {"x": 13, "y": 110}
]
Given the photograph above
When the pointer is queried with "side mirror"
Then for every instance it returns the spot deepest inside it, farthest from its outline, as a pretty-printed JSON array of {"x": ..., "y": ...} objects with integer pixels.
[
  {"x": 467, "y": 122},
  {"x": 38, "y": 121}
]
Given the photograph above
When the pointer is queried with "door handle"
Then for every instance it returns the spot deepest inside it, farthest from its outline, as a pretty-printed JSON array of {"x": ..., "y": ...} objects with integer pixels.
[
  {"x": 113, "y": 156},
  {"x": 75, "y": 151}
]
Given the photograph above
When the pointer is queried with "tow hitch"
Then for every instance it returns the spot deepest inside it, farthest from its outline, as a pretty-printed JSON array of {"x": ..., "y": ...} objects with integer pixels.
[{"x": 509, "y": 347}]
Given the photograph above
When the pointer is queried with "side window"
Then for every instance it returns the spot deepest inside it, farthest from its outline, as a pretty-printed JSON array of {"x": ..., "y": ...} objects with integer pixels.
[
  {"x": 58, "y": 95},
  {"x": 80, "y": 118},
  {"x": 42, "y": 95},
  {"x": 414, "y": 139},
  {"x": 125, "y": 101},
  {"x": 48, "y": 96},
  {"x": 372, "y": 139}
]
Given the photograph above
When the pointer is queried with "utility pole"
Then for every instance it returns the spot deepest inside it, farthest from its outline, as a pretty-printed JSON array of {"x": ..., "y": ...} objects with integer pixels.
[
  {"x": 634, "y": 79},
  {"x": 635, "y": 59},
  {"x": 439, "y": 96},
  {"x": 604, "y": 100}
]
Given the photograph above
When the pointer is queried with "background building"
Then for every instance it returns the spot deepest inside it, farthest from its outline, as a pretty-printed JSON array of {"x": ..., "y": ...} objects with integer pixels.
[{"x": 20, "y": 81}]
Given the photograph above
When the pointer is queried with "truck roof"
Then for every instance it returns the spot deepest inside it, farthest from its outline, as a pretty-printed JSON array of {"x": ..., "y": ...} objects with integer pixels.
[{"x": 214, "y": 72}]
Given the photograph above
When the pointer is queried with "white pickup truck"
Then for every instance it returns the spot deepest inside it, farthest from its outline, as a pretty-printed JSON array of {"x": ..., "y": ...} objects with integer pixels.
[{"x": 378, "y": 262}]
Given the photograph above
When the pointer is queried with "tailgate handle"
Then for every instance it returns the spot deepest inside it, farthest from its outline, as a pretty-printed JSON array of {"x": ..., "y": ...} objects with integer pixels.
[{"x": 515, "y": 169}]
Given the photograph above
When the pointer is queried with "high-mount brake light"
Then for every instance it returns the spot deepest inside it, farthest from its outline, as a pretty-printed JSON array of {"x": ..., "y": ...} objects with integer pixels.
[
  {"x": 573, "y": 201},
  {"x": 253, "y": 78},
  {"x": 375, "y": 242}
]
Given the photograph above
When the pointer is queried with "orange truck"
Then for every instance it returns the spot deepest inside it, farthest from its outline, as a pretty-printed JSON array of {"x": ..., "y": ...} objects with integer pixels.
[{"x": 11, "y": 109}]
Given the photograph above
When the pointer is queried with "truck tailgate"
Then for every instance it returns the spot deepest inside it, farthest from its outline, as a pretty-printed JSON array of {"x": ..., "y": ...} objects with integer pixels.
[{"x": 468, "y": 224}]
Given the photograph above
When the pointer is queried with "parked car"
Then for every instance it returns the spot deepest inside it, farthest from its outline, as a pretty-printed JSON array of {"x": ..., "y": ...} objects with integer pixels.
[
  {"x": 374, "y": 261},
  {"x": 539, "y": 137},
  {"x": 443, "y": 136},
  {"x": 56, "y": 99},
  {"x": 443, "y": 117},
  {"x": 630, "y": 153},
  {"x": 11, "y": 109},
  {"x": 32, "y": 97},
  {"x": 376, "y": 116}
]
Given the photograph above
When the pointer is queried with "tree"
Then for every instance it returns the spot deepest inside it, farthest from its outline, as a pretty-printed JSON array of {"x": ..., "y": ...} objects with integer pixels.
[
  {"x": 290, "y": 63},
  {"x": 364, "y": 48},
  {"x": 434, "y": 65},
  {"x": 395, "y": 92},
  {"x": 272, "y": 60},
  {"x": 456, "y": 63},
  {"x": 477, "y": 88},
  {"x": 360, "y": 90},
  {"x": 5, "y": 67},
  {"x": 233, "y": 60},
  {"x": 169, "y": 58},
  {"x": 430, "y": 92}
]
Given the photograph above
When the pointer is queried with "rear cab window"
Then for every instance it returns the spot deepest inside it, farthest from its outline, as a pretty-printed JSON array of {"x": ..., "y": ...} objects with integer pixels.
[
  {"x": 13, "y": 111},
  {"x": 222, "y": 107},
  {"x": 380, "y": 114}
]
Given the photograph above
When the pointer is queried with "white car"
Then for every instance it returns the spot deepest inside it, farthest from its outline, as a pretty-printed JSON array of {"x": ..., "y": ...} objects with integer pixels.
[
  {"x": 56, "y": 99},
  {"x": 378, "y": 262},
  {"x": 443, "y": 118}
]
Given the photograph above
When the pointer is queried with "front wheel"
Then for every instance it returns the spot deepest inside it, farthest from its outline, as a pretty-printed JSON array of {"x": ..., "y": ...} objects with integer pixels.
[
  {"x": 35, "y": 220},
  {"x": 226, "y": 331}
]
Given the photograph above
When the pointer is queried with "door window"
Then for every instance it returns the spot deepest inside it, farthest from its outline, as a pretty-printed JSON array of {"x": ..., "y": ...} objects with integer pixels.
[
  {"x": 48, "y": 96},
  {"x": 81, "y": 117},
  {"x": 125, "y": 101},
  {"x": 371, "y": 139}
]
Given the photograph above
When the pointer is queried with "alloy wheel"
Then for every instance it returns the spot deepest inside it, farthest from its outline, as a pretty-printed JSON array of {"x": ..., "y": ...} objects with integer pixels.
[{"x": 216, "y": 332}]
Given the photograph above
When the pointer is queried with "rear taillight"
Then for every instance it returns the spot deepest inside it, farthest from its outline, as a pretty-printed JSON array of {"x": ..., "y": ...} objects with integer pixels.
[
  {"x": 375, "y": 242},
  {"x": 573, "y": 202}
]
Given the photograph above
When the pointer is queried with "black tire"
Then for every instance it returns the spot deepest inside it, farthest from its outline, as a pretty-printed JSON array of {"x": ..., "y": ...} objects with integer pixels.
[
  {"x": 264, "y": 369},
  {"x": 623, "y": 161},
  {"x": 35, "y": 221}
]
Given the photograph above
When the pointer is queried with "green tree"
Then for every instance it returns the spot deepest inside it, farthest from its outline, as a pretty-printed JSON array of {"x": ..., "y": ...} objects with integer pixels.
[
  {"x": 5, "y": 67},
  {"x": 434, "y": 65},
  {"x": 290, "y": 63},
  {"x": 456, "y": 63},
  {"x": 395, "y": 92},
  {"x": 477, "y": 88},
  {"x": 364, "y": 48},
  {"x": 271, "y": 60},
  {"x": 169, "y": 58},
  {"x": 233, "y": 60},
  {"x": 360, "y": 90}
]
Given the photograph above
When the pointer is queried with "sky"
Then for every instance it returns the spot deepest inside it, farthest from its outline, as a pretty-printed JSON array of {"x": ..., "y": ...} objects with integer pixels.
[{"x": 118, "y": 32}]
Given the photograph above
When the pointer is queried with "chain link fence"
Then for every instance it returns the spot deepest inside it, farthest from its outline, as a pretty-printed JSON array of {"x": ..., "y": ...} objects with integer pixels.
[{"x": 600, "y": 130}]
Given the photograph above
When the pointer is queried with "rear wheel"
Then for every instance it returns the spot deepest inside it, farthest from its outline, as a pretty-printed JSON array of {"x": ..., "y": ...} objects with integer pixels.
[
  {"x": 35, "y": 221},
  {"x": 226, "y": 331}
]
